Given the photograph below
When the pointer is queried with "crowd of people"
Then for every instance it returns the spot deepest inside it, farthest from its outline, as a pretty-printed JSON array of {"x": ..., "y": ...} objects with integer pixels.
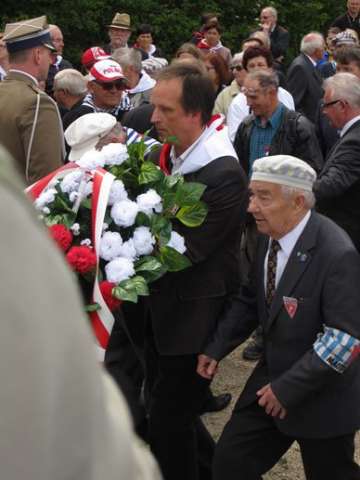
[{"x": 275, "y": 141}]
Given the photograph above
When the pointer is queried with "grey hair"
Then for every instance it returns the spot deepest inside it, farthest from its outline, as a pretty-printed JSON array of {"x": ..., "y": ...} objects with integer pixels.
[
  {"x": 272, "y": 10},
  {"x": 265, "y": 78},
  {"x": 309, "y": 197},
  {"x": 345, "y": 86},
  {"x": 237, "y": 58},
  {"x": 72, "y": 81},
  {"x": 311, "y": 42},
  {"x": 128, "y": 57}
]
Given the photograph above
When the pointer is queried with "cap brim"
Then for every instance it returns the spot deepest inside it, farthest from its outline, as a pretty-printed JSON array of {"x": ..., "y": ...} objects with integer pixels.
[
  {"x": 50, "y": 46},
  {"x": 120, "y": 28}
]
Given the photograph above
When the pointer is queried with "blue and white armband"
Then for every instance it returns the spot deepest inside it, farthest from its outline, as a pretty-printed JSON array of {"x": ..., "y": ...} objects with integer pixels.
[{"x": 336, "y": 348}]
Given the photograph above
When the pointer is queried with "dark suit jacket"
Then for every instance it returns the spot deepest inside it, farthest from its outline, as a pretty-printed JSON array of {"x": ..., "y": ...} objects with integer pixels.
[
  {"x": 185, "y": 305},
  {"x": 304, "y": 83},
  {"x": 322, "y": 274},
  {"x": 337, "y": 189},
  {"x": 279, "y": 40}
]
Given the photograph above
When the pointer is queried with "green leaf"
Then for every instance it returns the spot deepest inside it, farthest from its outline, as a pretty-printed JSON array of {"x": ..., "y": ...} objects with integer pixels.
[
  {"x": 86, "y": 203},
  {"x": 189, "y": 193},
  {"x": 150, "y": 173},
  {"x": 168, "y": 200},
  {"x": 123, "y": 293},
  {"x": 173, "y": 260},
  {"x": 66, "y": 218},
  {"x": 129, "y": 289},
  {"x": 150, "y": 268},
  {"x": 93, "y": 307},
  {"x": 161, "y": 228},
  {"x": 194, "y": 215},
  {"x": 61, "y": 204},
  {"x": 142, "y": 220},
  {"x": 171, "y": 180}
]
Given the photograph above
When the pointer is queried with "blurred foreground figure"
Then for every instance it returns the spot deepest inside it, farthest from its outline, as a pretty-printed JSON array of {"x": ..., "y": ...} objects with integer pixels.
[{"x": 62, "y": 417}]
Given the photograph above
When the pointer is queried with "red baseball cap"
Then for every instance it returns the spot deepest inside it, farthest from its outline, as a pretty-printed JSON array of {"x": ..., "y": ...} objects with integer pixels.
[
  {"x": 93, "y": 55},
  {"x": 106, "y": 71}
]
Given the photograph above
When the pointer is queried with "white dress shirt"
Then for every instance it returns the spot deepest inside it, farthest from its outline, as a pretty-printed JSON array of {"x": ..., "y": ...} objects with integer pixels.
[{"x": 287, "y": 244}]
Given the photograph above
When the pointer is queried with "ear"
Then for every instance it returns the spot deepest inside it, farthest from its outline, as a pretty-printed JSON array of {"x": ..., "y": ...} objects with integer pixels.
[
  {"x": 299, "y": 202},
  {"x": 36, "y": 55},
  {"x": 90, "y": 87}
]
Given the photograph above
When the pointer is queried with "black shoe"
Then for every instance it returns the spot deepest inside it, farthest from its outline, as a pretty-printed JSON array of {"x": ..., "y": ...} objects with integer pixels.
[
  {"x": 216, "y": 403},
  {"x": 253, "y": 351}
]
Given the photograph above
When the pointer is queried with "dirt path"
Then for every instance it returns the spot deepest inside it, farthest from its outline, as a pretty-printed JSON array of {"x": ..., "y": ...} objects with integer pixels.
[{"x": 231, "y": 377}]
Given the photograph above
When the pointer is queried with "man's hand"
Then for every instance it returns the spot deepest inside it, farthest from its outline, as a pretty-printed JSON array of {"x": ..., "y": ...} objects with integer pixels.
[
  {"x": 206, "y": 366},
  {"x": 271, "y": 404}
]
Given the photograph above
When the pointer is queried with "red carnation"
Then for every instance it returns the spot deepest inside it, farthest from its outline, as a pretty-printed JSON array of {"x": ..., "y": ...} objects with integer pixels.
[
  {"x": 82, "y": 259},
  {"x": 62, "y": 236},
  {"x": 106, "y": 291}
]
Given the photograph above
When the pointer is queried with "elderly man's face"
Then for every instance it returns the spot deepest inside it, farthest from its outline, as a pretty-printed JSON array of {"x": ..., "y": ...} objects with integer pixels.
[
  {"x": 333, "y": 108},
  {"x": 106, "y": 95},
  {"x": 259, "y": 99},
  {"x": 275, "y": 214},
  {"x": 57, "y": 39},
  {"x": 353, "y": 7},
  {"x": 118, "y": 37}
]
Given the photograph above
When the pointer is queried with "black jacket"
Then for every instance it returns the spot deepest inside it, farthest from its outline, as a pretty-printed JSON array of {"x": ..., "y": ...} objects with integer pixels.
[
  {"x": 279, "y": 39},
  {"x": 305, "y": 85},
  {"x": 337, "y": 189},
  {"x": 295, "y": 136},
  {"x": 323, "y": 280}
]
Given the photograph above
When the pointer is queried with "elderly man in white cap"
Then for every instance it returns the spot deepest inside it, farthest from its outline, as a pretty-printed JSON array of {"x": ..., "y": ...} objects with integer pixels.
[{"x": 306, "y": 387}]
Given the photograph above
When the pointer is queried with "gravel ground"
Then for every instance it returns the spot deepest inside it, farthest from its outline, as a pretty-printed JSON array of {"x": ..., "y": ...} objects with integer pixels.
[{"x": 231, "y": 377}]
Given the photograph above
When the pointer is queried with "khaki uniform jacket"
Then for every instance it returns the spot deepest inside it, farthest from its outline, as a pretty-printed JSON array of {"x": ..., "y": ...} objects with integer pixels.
[{"x": 30, "y": 127}]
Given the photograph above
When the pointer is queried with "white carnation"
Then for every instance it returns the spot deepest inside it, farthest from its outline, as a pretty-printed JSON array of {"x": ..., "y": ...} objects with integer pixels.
[
  {"x": 46, "y": 210},
  {"x": 71, "y": 182},
  {"x": 46, "y": 197},
  {"x": 115, "y": 153},
  {"x": 124, "y": 213},
  {"x": 110, "y": 245},
  {"x": 149, "y": 201},
  {"x": 75, "y": 229},
  {"x": 73, "y": 196},
  {"x": 177, "y": 242},
  {"x": 117, "y": 192},
  {"x": 143, "y": 241},
  {"x": 91, "y": 160},
  {"x": 119, "y": 269},
  {"x": 86, "y": 242},
  {"x": 104, "y": 227},
  {"x": 128, "y": 250}
]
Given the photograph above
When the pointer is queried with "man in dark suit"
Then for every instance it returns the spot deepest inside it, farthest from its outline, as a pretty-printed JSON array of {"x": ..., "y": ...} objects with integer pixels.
[
  {"x": 305, "y": 294},
  {"x": 279, "y": 36},
  {"x": 184, "y": 306},
  {"x": 303, "y": 79},
  {"x": 337, "y": 189}
]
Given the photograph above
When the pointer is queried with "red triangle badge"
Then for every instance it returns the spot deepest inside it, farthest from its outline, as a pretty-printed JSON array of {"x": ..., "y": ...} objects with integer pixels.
[{"x": 290, "y": 305}]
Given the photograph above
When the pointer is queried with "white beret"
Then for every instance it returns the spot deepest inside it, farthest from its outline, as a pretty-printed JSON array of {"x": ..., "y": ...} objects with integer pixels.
[
  {"x": 284, "y": 170},
  {"x": 85, "y": 132}
]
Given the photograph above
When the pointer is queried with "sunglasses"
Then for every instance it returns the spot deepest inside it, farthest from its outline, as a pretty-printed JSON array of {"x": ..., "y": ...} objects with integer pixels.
[
  {"x": 118, "y": 84},
  {"x": 238, "y": 68}
]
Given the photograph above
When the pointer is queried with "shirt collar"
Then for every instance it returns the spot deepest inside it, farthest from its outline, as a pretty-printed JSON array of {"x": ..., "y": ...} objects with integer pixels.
[
  {"x": 349, "y": 124},
  {"x": 24, "y": 73},
  {"x": 288, "y": 241},
  {"x": 274, "y": 119},
  {"x": 311, "y": 60},
  {"x": 177, "y": 161}
]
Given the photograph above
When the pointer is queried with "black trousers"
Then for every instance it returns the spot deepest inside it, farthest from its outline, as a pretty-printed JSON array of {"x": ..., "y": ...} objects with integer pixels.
[
  {"x": 251, "y": 444},
  {"x": 178, "y": 439}
]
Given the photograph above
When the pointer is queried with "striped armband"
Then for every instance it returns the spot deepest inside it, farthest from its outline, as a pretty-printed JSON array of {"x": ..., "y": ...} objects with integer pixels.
[{"x": 336, "y": 348}]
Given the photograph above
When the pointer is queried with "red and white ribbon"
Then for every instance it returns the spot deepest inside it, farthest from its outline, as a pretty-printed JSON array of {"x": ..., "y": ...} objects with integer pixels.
[{"x": 102, "y": 320}]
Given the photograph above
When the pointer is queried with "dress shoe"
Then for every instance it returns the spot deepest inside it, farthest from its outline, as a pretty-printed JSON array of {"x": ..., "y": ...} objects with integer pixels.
[
  {"x": 216, "y": 403},
  {"x": 253, "y": 351}
]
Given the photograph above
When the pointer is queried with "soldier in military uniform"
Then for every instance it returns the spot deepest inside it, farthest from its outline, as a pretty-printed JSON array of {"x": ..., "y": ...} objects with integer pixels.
[{"x": 30, "y": 125}]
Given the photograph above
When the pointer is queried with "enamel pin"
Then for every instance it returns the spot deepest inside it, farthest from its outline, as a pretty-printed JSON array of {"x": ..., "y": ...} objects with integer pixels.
[{"x": 290, "y": 305}]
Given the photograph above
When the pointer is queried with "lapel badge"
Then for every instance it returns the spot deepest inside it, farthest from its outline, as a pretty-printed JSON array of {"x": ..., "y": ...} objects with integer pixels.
[
  {"x": 291, "y": 305},
  {"x": 302, "y": 257}
]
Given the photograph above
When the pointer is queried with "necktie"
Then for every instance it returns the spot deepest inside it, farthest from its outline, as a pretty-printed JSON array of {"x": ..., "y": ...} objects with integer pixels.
[{"x": 271, "y": 271}]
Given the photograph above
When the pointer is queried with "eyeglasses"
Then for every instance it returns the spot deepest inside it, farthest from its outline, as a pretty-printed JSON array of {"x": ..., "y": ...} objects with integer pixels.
[
  {"x": 119, "y": 85},
  {"x": 328, "y": 104},
  {"x": 238, "y": 68}
]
